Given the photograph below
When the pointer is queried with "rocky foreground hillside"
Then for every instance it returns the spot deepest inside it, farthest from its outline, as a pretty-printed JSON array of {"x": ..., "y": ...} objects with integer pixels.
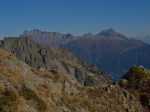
[
  {"x": 56, "y": 60},
  {"x": 137, "y": 81},
  {"x": 26, "y": 89}
]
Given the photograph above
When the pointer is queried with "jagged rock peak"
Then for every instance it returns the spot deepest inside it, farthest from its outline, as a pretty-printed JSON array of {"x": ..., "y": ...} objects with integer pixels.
[
  {"x": 36, "y": 33},
  {"x": 51, "y": 39}
]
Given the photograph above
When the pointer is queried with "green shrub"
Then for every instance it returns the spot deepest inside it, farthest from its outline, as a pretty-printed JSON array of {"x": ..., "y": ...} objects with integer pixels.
[{"x": 134, "y": 76}]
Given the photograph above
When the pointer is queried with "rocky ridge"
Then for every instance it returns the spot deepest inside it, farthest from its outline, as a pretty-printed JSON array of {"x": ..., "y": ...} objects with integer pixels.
[{"x": 52, "y": 59}]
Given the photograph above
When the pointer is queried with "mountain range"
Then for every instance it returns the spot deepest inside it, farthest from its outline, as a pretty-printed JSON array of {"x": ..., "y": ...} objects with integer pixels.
[
  {"x": 36, "y": 78},
  {"x": 109, "y": 50}
]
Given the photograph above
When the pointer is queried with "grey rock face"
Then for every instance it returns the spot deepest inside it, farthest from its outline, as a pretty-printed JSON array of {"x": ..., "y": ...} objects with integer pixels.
[{"x": 53, "y": 59}]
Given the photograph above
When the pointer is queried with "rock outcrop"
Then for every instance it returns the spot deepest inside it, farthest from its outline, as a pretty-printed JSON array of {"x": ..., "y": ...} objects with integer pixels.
[
  {"x": 137, "y": 81},
  {"x": 52, "y": 59}
]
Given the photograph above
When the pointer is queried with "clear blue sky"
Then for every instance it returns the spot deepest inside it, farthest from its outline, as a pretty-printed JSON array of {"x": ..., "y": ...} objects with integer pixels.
[{"x": 131, "y": 17}]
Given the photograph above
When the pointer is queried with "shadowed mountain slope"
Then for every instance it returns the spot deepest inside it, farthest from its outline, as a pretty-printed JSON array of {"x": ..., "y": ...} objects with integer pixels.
[{"x": 112, "y": 52}]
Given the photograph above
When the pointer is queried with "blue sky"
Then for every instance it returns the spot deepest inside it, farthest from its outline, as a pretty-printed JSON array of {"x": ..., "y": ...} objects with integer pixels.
[{"x": 131, "y": 17}]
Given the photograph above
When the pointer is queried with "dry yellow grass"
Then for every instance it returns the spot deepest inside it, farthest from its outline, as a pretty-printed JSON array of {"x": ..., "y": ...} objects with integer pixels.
[{"x": 5, "y": 55}]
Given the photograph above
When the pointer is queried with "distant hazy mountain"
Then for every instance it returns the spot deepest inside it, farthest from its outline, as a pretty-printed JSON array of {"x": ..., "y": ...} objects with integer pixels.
[
  {"x": 111, "y": 51},
  {"x": 144, "y": 38},
  {"x": 51, "y": 39},
  {"x": 111, "y": 33}
]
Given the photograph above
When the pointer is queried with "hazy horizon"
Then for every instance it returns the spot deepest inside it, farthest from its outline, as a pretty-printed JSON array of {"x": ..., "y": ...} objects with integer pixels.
[{"x": 77, "y": 17}]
